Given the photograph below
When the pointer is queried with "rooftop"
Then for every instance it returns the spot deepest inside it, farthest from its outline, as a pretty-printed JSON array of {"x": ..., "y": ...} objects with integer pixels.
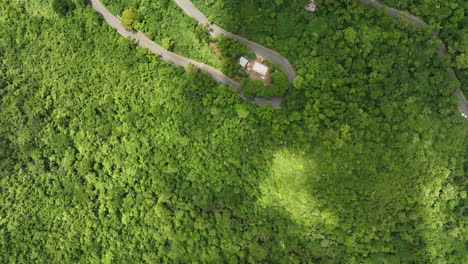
[
  {"x": 312, "y": 7},
  {"x": 260, "y": 68},
  {"x": 243, "y": 61}
]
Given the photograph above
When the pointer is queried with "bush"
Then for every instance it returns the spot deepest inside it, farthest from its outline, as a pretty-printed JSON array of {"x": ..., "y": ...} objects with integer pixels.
[
  {"x": 62, "y": 7},
  {"x": 279, "y": 86},
  {"x": 168, "y": 43},
  {"x": 252, "y": 88},
  {"x": 128, "y": 17},
  {"x": 232, "y": 48},
  {"x": 280, "y": 83},
  {"x": 201, "y": 33}
]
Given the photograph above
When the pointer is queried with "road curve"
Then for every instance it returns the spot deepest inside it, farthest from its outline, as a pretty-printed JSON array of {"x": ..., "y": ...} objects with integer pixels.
[
  {"x": 285, "y": 65},
  {"x": 397, "y": 14},
  {"x": 191, "y": 10},
  {"x": 143, "y": 41}
]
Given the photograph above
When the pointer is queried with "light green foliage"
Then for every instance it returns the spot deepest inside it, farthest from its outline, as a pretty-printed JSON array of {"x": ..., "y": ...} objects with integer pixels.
[
  {"x": 292, "y": 175},
  {"x": 201, "y": 33},
  {"x": 168, "y": 44},
  {"x": 163, "y": 21},
  {"x": 113, "y": 156},
  {"x": 192, "y": 70},
  {"x": 128, "y": 18}
]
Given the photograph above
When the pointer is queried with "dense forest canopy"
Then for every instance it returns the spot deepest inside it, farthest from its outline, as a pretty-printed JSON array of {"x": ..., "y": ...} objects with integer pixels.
[
  {"x": 110, "y": 155},
  {"x": 275, "y": 22},
  {"x": 449, "y": 19}
]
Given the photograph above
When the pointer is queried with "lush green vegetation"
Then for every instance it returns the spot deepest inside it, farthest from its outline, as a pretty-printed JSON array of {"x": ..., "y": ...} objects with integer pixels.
[
  {"x": 128, "y": 18},
  {"x": 108, "y": 155},
  {"x": 274, "y": 23},
  {"x": 231, "y": 50},
  {"x": 165, "y": 23},
  {"x": 278, "y": 87},
  {"x": 450, "y": 20},
  {"x": 183, "y": 35}
]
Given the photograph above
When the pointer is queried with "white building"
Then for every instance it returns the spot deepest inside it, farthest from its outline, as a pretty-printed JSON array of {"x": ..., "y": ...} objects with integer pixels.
[
  {"x": 260, "y": 68},
  {"x": 243, "y": 61},
  {"x": 312, "y": 7}
]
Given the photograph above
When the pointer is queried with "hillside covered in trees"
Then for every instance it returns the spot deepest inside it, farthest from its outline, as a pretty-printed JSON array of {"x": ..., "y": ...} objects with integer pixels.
[
  {"x": 110, "y": 155},
  {"x": 449, "y": 19}
]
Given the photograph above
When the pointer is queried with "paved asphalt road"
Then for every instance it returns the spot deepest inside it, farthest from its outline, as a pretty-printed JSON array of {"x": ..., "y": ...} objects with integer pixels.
[
  {"x": 397, "y": 14},
  {"x": 145, "y": 42},
  {"x": 191, "y": 10}
]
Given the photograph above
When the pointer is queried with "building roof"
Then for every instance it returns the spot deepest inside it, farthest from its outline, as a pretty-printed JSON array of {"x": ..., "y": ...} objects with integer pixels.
[
  {"x": 243, "y": 61},
  {"x": 260, "y": 68},
  {"x": 312, "y": 7}
]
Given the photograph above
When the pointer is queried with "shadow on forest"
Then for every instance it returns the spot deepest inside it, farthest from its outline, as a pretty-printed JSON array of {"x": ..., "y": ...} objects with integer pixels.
[
  {"x": 127, "y": 166},
  {"x": 242, "y": 200},
  {"x": 321, "y": 206}
]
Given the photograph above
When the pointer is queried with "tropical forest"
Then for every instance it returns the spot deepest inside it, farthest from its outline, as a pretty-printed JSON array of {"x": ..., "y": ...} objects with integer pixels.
[{"x": 234, "y": 131}]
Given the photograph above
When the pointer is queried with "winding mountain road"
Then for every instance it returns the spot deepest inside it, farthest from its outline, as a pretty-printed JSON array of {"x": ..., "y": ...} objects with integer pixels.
[
  {"x": 397, "y": 14},
  {"x": 260, "y": 51},
  {"x": 285, "y": 65},
  {"x": 145, "y": 42}
]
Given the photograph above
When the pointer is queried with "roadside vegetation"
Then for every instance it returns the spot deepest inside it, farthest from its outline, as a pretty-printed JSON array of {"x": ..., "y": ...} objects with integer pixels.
[
  {"x": 110, "y": 155},
  {"x": 183, "y": 35},
  {"x": 449, "y": 19},
  {"x": 128, "y": 18},
  {"x": 276, "y": 24},
  {"x": 166, "y": 24},
  {"x": 278, "y": 87}
]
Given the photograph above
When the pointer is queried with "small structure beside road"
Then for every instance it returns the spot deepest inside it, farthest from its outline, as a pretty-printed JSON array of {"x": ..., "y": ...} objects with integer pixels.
[
  {"x": 243, "y": 61},
  {"x": 257, "y": 70},
  {"x": 260, "y": 68},
  {"x": 312, "y": 7}
]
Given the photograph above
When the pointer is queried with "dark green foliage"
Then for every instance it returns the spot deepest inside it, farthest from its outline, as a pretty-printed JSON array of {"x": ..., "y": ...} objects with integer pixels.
[
  {"x": 232, "y": 48},
  {"x": 252, "y": 88},
  {"x": 450, "y": 20},
  {"x": 109, "y": 155},
  {"x": 201, "y": 33},
  {"x": 279, "y": 84},
  {"x": 62, "y": 7},
  {"x": 230, "y": 67}
]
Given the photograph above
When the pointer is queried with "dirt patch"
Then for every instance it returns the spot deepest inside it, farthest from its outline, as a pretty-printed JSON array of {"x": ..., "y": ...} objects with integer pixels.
[{"x": 216, "y": 50}]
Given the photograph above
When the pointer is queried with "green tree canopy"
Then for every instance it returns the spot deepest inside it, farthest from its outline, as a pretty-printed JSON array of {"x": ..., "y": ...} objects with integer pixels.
[{"x": 128, "y": 18}]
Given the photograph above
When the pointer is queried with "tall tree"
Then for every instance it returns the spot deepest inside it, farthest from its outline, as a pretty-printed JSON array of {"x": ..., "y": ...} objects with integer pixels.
[{"x": 128, "y": 18}]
